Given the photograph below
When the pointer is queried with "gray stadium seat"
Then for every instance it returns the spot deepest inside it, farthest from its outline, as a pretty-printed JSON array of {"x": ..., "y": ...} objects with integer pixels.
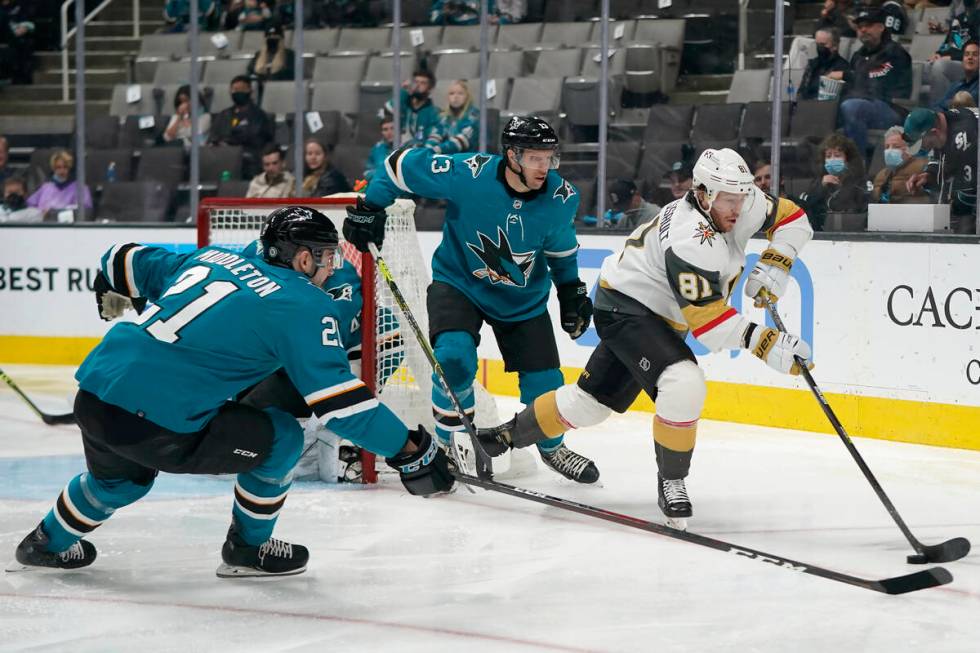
[
  {"x": 233, "y": 187},
  {"x": 669, "y": 122},
  {"x": 146, "y": 105},
  {"x": 534, "y": 95},
  {"x": 207, "y": 47},
  {"x": 505, "y": 63},
  {"x": 812, "y": 119},
  {"x": 221, "y": 72},
  {"x": 163, "y": 164},
  {"x": 518, "y": 36},
  {"x": 364, "y": 39},
  {"x": 715, "y": 122},
  {"x": 216, "y": 160},
  {"x": 628, "y": 27},
  {"x": 279, "y": 98},
  {"x": 642, "y": 69},
  {"x": 925, "y": 45},
  {"x": 466, "y": 36},
  {"x": 320, "y": 41},
  {"x": 669, "y": 32},
  {"x": 461, "y": 65},
  {"x": 102, "y": 131},
  {"x": 431, "y": 37},
  {"x": 656, "y": 160},
  {"x": 569, "y": 35},
  {"x": 757, "y": 121},
  {"x": 174, "y": 72},
  {"x": 372, "y": 97},
  {"x": 349, "y": 158},
  {"x": 580, "y": 101},
  {"x": 750, "y": 86},
  {"x": 220, "y": 97},
  {"x": 622, "y": 159},
  {"x": 558, "y": 63},
  {"x": 135, "y": 201},
  {"x": 97, "y": 165},
  {"x": 162, "y": 45},
  {"x": 340, "y": 69},
  {"x": 379, "y": 68},
  {"x": 335, "y": 96},
  {"x": 592, "y": 68},
  {"x": 937, "y": 14}
]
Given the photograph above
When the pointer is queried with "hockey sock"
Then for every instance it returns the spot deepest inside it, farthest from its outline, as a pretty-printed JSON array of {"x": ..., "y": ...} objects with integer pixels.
[
  {"x": 674, "y": 444},
  {"x": 84, "y": 504},
  {"x": 447, "y": 419},
  {"x": 537, "y": 392}
]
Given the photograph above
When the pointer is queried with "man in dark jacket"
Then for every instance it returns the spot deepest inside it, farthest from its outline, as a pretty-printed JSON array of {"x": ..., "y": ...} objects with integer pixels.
[
  {"x": 880, "y": 72},
  {"x": 828, "y": 62},
  {"x": 244, "y": 124}
]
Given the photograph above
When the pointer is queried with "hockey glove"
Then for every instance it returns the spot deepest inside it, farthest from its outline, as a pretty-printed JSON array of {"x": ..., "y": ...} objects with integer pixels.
[
  {"x": 365, "y": 224},
  {"x": 779, "y": 350},
  {"x": 770, "y": 274},
  {"x": 425, "y": 471},
  {"x": 575, "y": 308},
  {"x": 111, "y": 304}
]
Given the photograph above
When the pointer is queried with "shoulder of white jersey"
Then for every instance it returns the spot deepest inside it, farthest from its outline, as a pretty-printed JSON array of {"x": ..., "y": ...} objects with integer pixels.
[
  {"x": 693, "y": 238},
  {"x": 560, "y": 189}
]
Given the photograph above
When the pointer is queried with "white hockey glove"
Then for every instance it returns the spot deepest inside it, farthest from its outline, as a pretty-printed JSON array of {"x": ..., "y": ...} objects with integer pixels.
[
  {"x": 779, "y": 350},
  {"x": 111, "y": 304},
  {"x": 770, "y": 274}
]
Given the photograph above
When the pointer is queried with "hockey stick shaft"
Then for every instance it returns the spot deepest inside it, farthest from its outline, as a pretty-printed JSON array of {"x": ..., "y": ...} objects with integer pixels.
[
  {"x": 898, "y": 585},
  {"x": 839, "y": 428},
  {"x": 66, "y": 418},
  {"x": 483, "y": 464}
]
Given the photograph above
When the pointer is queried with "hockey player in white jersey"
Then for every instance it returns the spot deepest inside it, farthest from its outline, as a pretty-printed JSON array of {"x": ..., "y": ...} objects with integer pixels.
[{"x": 674, "y": 276}]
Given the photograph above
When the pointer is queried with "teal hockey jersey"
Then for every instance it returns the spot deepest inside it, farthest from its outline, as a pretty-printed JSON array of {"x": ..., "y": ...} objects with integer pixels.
[
  {"x": 220, "y": 322},
  {"x": 499, "y": 247}
]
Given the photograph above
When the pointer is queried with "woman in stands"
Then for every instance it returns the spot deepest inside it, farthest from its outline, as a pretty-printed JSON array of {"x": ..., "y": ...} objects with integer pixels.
[
  {"x": 321, "y": 178},
  {"x": 840, "y": 185},
  {"x": 274, "y": 62},
  {"x": 179, "y": 127},
  {"x": 59, "y": 192},
  {"x": 459, "y": 123}
]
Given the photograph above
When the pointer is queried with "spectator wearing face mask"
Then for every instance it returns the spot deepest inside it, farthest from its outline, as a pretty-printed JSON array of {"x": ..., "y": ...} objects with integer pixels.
[
  {"x": 14, "y": 207},
  {"x": 840, "y": 186},
  {"x": 59, "y": 192},
  {"x": 380, "y": 151},
  {"x": 274, "y": 180},
  {"x": 418, "y": 115},
  {"x": 274, "y": 61},
  {"x": 890, "y": 184},
  {"x": 827, "y": 63},
  {"x": 243, "y": 124}
]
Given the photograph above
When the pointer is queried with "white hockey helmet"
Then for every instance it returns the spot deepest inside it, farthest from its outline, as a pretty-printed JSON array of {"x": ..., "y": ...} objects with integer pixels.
[{"x": 722, "y": 171}]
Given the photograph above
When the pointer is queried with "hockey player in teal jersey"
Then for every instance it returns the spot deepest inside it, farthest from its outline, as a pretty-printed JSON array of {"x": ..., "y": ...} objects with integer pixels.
[
  {"x": 508, "y": 235},
  {"x": 153, "y": 394}
]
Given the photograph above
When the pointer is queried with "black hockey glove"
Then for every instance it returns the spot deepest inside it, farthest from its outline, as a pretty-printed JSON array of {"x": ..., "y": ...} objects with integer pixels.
[
  {"x": 365, "y": 224},
  {"x": 425, "y": 471},
  {"x": 112, "y": 304},
  {"x": 575, "y": 307}
]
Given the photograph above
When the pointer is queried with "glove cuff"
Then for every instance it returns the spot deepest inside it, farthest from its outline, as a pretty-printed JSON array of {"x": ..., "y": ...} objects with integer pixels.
[
  {"x": 572, "y": 289},
  {"x": 776, "y": 259},
  {"x": 760, "y": 340}
]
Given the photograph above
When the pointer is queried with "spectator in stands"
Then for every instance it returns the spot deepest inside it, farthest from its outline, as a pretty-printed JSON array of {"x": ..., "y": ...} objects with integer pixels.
[
  {"x": 17, "y": 32},
  {"x": 840, "y": 185},
  {"x": 681, "y": 177},
  {"x": 834, "y": 14},
  {"x": 828, "y": 62},
  {"x": 321, "y": 177},
  {"x": 274, "y": 180},
  {"x": 962, "y": 100},
  {"x": 243, "y": 124},
  {"x": 890, "y": 184},
  {"x": 895, "y": 17},
  {"x": 274, "y": 61},
  {"x": 459, "y": 124},
  {"x": 969, "y": 83},
  {"x": 762, "y": 173},
  {"x": 418, "y": 114},
  {"x": 14, "y": 207},
  {"x": 59, "y": 192},
  {"x": 248, "y": 14},
  {"x": 177, "y": 14},
  {"x": 339, "y": 13},
  {"x": 179, "y": 127},
  {"x": 456, "y": 12},
  {"x": 962, "y": 27},
  {"x": 380, "y": 151},
  {"x": 509, "y": 11},
  {"x": 627, "y": 208},
  {"x": 5, "y": 169},
  {"x": 880, "y": 72}
]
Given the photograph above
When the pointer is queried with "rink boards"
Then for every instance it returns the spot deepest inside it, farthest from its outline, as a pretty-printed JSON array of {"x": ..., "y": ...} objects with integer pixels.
[{"x": 894, "y": 328}]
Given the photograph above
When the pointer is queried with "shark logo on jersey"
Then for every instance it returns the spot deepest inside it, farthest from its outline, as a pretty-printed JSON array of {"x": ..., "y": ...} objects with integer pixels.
[
  {"x": 705, "y": 233},
  {"x": 343, "y": 292},
  {"x": 503, "y": 265},
  {"x": 565, "y": 191},
  {"x": 476, "y": 163}
]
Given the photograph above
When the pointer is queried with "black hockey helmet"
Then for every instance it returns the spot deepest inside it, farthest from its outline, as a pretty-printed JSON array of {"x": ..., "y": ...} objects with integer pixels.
[
  {"x": 291, "y": 227},
  {"x": 528, "y": 132}
]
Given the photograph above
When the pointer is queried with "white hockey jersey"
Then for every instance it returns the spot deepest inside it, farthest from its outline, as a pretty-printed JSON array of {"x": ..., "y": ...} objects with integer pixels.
[{"x": 683, "y": 269}]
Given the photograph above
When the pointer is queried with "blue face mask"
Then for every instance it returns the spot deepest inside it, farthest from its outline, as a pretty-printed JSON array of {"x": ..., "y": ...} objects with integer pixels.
[
  {"x": 834, "y": 166},
  {"x": 59, "y": 179},
  {"x": 893, "y": 157}
]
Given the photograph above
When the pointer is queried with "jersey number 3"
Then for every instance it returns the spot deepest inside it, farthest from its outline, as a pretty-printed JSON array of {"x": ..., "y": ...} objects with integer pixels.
[{"x": 168, "y": 330}]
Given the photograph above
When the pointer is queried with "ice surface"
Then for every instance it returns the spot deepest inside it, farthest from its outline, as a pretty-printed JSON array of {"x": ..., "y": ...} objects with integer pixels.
[{"x": 485, "y": 572}]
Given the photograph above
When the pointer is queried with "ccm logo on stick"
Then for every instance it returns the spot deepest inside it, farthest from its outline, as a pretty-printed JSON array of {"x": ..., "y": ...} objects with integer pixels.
[
  {"x": 762, "y": 558},
  {"x": 247, "y": 454}
]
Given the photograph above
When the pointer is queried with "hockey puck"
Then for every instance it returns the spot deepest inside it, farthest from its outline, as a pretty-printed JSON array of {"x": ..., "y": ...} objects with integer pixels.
[{"x": 917, "y": 559}]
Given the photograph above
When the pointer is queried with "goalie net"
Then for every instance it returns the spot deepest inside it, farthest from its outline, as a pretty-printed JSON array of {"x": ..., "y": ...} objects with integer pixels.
[{"x": 235, "y": 222}]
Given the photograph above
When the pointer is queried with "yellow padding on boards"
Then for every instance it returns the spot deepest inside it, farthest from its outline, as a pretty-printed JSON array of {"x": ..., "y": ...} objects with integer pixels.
[
  {"x": 45, "y": 350},
  {"x": 898, "y": 420},
  {"x": 675, "y": 438},
  {"x": 546, "y": 414}
]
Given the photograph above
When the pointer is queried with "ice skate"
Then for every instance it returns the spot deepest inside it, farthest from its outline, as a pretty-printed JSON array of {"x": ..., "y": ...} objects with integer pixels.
[
  {"x": 674, "y": 502},
  {"x": 571, "y": 465},
  {"x": 271, "y": 558},
  {"x": 32, "y": 554}
]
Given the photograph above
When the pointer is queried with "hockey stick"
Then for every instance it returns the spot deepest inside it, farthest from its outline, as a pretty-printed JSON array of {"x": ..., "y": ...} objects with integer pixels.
[
  {"x": 949, "y": 550},
  {"x": 484, "y": 468},
  {"x": 67, "y": 418},
  {"x": 919, "y": 580}
]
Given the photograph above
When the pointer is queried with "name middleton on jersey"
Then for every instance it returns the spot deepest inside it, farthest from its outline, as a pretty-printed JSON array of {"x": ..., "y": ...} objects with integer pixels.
[{"x": 261, "y": 284}]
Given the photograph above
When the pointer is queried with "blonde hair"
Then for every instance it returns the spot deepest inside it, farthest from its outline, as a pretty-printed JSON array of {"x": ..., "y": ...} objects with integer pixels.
[
  {"x": 962, "y": 100},
  {"x": 448, "y": 111},
  {"x": 62, "y": 155}
]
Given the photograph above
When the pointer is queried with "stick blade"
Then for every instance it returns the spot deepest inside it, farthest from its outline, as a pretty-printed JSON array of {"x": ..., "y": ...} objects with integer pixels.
[
  {"x": 948, "y": 551},
  {"x": 51, "y": 420},
  {"x": 919, "y": 580}
]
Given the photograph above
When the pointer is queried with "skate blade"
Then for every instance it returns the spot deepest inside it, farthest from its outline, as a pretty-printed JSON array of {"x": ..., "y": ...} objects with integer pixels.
[
  {"x": 15, "y": 566},
  {"x": 677, "y": 523},
  {"x": 232, "y": 571}
]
